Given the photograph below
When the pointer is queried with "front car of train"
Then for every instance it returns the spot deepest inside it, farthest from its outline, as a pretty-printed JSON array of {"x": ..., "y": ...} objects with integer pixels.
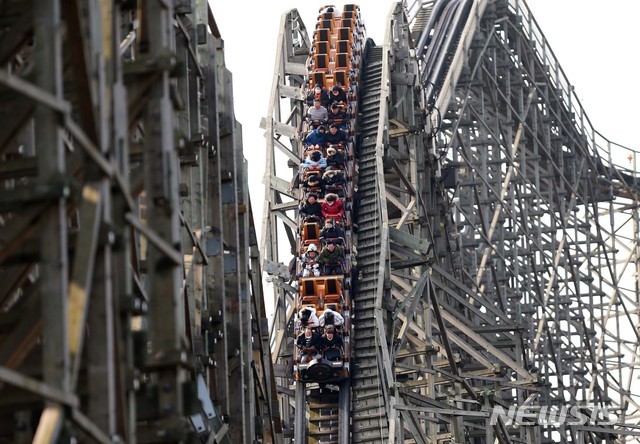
[{"x": 325, "y": 189}]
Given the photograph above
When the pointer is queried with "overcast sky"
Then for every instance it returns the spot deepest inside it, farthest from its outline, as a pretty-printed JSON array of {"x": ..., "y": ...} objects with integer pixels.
[{"x": 594, "y": 42}]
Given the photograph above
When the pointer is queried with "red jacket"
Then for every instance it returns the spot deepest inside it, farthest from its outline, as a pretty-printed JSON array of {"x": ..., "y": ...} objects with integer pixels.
[{"x": 335, "y": 210}]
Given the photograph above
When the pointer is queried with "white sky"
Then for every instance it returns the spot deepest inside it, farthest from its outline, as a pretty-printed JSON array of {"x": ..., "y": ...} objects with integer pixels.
[{"x": 594, "y": 42}]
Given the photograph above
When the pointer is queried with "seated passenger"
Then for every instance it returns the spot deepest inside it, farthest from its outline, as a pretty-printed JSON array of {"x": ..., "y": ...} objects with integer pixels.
[
  {"x": 314, "y": 161},
  {"x": 335, "y": 158},
  {"x": 317, "y": 137},
  {"x": 317, "y": 114},
  {"x": 338, "y": 117},
  {"x": 319, "y": 93},
  {"x": 330, "y": 317},
  {"x": 309, "y": 261},
  {"x": 337, "y": 95},
  {"x": 332, "y": 206},
  {"x": 335, "y": 136},
  {"x": 315, "y": 184},
  {"x": 333, "y": 181},
  {"x": 309, "y": 345},
  {"x": 331, "y": 233},
  {"x": 331, "y": 344},
  {"x": 308, "y": 317},
  {"x": 311, "y": 210},
  {"x": 331, "y": 258}
]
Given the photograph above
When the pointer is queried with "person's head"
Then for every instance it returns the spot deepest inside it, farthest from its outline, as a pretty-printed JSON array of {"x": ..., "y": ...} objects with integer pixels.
[
  {"x": 312, "y": 198},
  {"x": 330, "y": 198},
  {"x": 308, "y": 332},
  {"x": 329, "y": 331},
  {"x": 335, "y": 90},
  {"x": 331, "y": 246},
  {"x": 329, "y": 318},
  {"x": 316, "y": 103},
  {"x": 318, "y": 89},
  {"x": 322, "y": 129},
  {"x": 305, "y": 314},
  {"x": 312, "y": 250},
  {"x": 333, "y": 129},
  {"x": 331, "y": 151},
  {"x": 315, "y": 155},
  {"x": 335, "y": 108},
  {"x": 328, "y": 222}
]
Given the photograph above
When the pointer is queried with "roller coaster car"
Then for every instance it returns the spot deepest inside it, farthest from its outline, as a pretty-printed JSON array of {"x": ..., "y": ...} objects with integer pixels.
[
  {"x": 316, "y": 78},
  {"x": 322, "y": 370},
  {"x": 325, "y": 367},
  {"x": 310, "y": 234},
  {"x": 327, "y": 289},
  {"x": 334, "y": 60}
]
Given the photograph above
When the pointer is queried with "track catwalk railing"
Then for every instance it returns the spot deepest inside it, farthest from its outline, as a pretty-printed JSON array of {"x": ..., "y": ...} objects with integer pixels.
[
  {"x": 369, "y": 399},
  {"x": 391, "y": 301}
]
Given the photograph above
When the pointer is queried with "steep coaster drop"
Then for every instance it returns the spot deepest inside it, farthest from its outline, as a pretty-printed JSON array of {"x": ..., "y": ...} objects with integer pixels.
[{"x": 325, "y": 255}]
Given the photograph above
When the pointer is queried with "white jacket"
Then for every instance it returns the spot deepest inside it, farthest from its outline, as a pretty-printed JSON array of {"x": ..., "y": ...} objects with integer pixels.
[
  {"x": 338, "y": 320},
  {"x": 313, "y": 319}
]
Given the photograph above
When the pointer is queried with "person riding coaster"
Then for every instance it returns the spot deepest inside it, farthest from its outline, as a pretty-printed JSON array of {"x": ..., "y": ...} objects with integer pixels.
[
  {"x": 331, "y": 233},
  {"x": 332, "y": 206},
  {"x": 320, "y": 357},
  {"x": 309, "y": 262},
  {"x": 331, "y": 344},
  {"x": 331, "y": 258}
]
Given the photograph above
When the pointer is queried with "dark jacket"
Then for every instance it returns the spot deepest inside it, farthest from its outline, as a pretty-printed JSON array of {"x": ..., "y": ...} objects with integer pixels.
[
  {"x": 331, "y": 233},
  {"x": 337, "y": 159},
  {"x": 340, "y": 137},
  {"x": 314, "y": 181},
  {"x": 331, "y": 257},
  {"x": 340, "y": 97},
  {"x": 333, "y": 179},
  {"x": 326, "y": 343},
  {"x": 338, "y": 118},
  {"x": 323, "y": 96},
  {"x": 314, "y": 341},
  {"x": 315, "y": 137},
  {"x": 314, "y": 209}
]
